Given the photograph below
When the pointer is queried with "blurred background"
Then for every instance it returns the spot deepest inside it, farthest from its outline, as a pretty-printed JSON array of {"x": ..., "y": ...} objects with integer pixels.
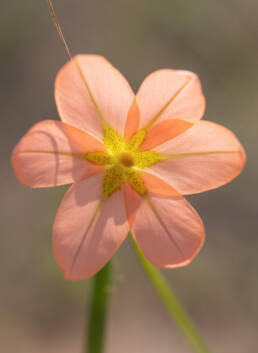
[{"x": 39, "y": 310}]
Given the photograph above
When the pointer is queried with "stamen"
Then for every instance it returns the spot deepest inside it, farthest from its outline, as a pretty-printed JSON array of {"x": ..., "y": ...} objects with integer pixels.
[
  {"x": 101, "y": 158},
  {"x": 113, "y": 141},
  {"x": 136, "y": 140},
  {"x": 136, "y": 182},
  {"x": 146, "y": 159},
  {"x": 113, "y": 180}
]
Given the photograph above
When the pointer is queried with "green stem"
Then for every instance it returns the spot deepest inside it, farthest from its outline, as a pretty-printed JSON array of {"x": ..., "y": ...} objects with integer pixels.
[
  {"x": 172, "y": 305},
  {"x": 98, "y": 310}
]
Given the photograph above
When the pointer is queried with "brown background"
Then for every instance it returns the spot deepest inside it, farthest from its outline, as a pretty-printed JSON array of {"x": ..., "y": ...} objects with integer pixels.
[{"x": 39, "y": 310}]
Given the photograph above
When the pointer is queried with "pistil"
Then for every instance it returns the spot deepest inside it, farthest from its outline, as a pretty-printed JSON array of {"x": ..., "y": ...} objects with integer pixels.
[{"x": 126, "y": 159}]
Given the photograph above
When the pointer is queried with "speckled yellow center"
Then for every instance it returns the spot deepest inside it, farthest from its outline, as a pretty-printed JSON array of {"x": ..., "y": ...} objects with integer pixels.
[{"x": 123, "y": 161}]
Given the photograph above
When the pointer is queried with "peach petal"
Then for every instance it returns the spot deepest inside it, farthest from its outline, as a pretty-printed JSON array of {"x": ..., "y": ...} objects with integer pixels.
[
  {"x": 163, "y": 132},
  {"x": 170, "y": 94},
  {"x": 132, "y": 203},
  {"x": 154, "y": 185},
  {"x": 112, "y": 94},
  {"x": 157, "y": 186},
  {"x": 132, "y": 121},
  {"x": 87, "y": 232},
  {"x": 51, "y": 154},
  {"x": 167, "y": 229},
  {"x": 206, "y": 156}
]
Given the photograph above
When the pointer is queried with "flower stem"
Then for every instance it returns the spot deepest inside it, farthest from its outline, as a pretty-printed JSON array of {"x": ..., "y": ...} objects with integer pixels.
[
  {"x": 172, "y": 305},
  {"x": 98, "y": 310}
]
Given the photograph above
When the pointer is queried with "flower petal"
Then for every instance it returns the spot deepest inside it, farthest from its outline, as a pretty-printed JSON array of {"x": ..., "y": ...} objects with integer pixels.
[
  {"x": 87, "y": 231},
  {"x": 157, "y": 186},
  {"x": 170, "y": 94},
  {"x": 168, "y": 230},
  {"x": 109, "y": 92},
  {"x": 206, "y": 156},
  {"x": 51, "y": 154},
  {"x": 132, "y": 120},
  {"x": 163, "y": 132}
]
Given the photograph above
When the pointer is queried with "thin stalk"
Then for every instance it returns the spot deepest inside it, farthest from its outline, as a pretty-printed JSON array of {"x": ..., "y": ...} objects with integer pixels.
[
  {"x": 98, "y": 310},
  {"x": 174, "y": 308}
]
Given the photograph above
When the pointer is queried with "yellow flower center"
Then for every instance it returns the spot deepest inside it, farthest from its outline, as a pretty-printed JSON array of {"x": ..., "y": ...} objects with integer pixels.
[{"x": 123, "y": 161}]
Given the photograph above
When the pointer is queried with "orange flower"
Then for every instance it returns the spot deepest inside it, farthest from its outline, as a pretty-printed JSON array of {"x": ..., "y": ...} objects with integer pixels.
[{"x": 130, "y": 159}]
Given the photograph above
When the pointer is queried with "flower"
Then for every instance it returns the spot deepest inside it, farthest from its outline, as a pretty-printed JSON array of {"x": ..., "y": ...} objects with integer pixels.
[{"x": 130, "y": 159}]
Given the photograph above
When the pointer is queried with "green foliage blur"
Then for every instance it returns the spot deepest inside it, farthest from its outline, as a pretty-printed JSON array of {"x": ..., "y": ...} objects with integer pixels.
[{"x": 42, "y": 312}]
